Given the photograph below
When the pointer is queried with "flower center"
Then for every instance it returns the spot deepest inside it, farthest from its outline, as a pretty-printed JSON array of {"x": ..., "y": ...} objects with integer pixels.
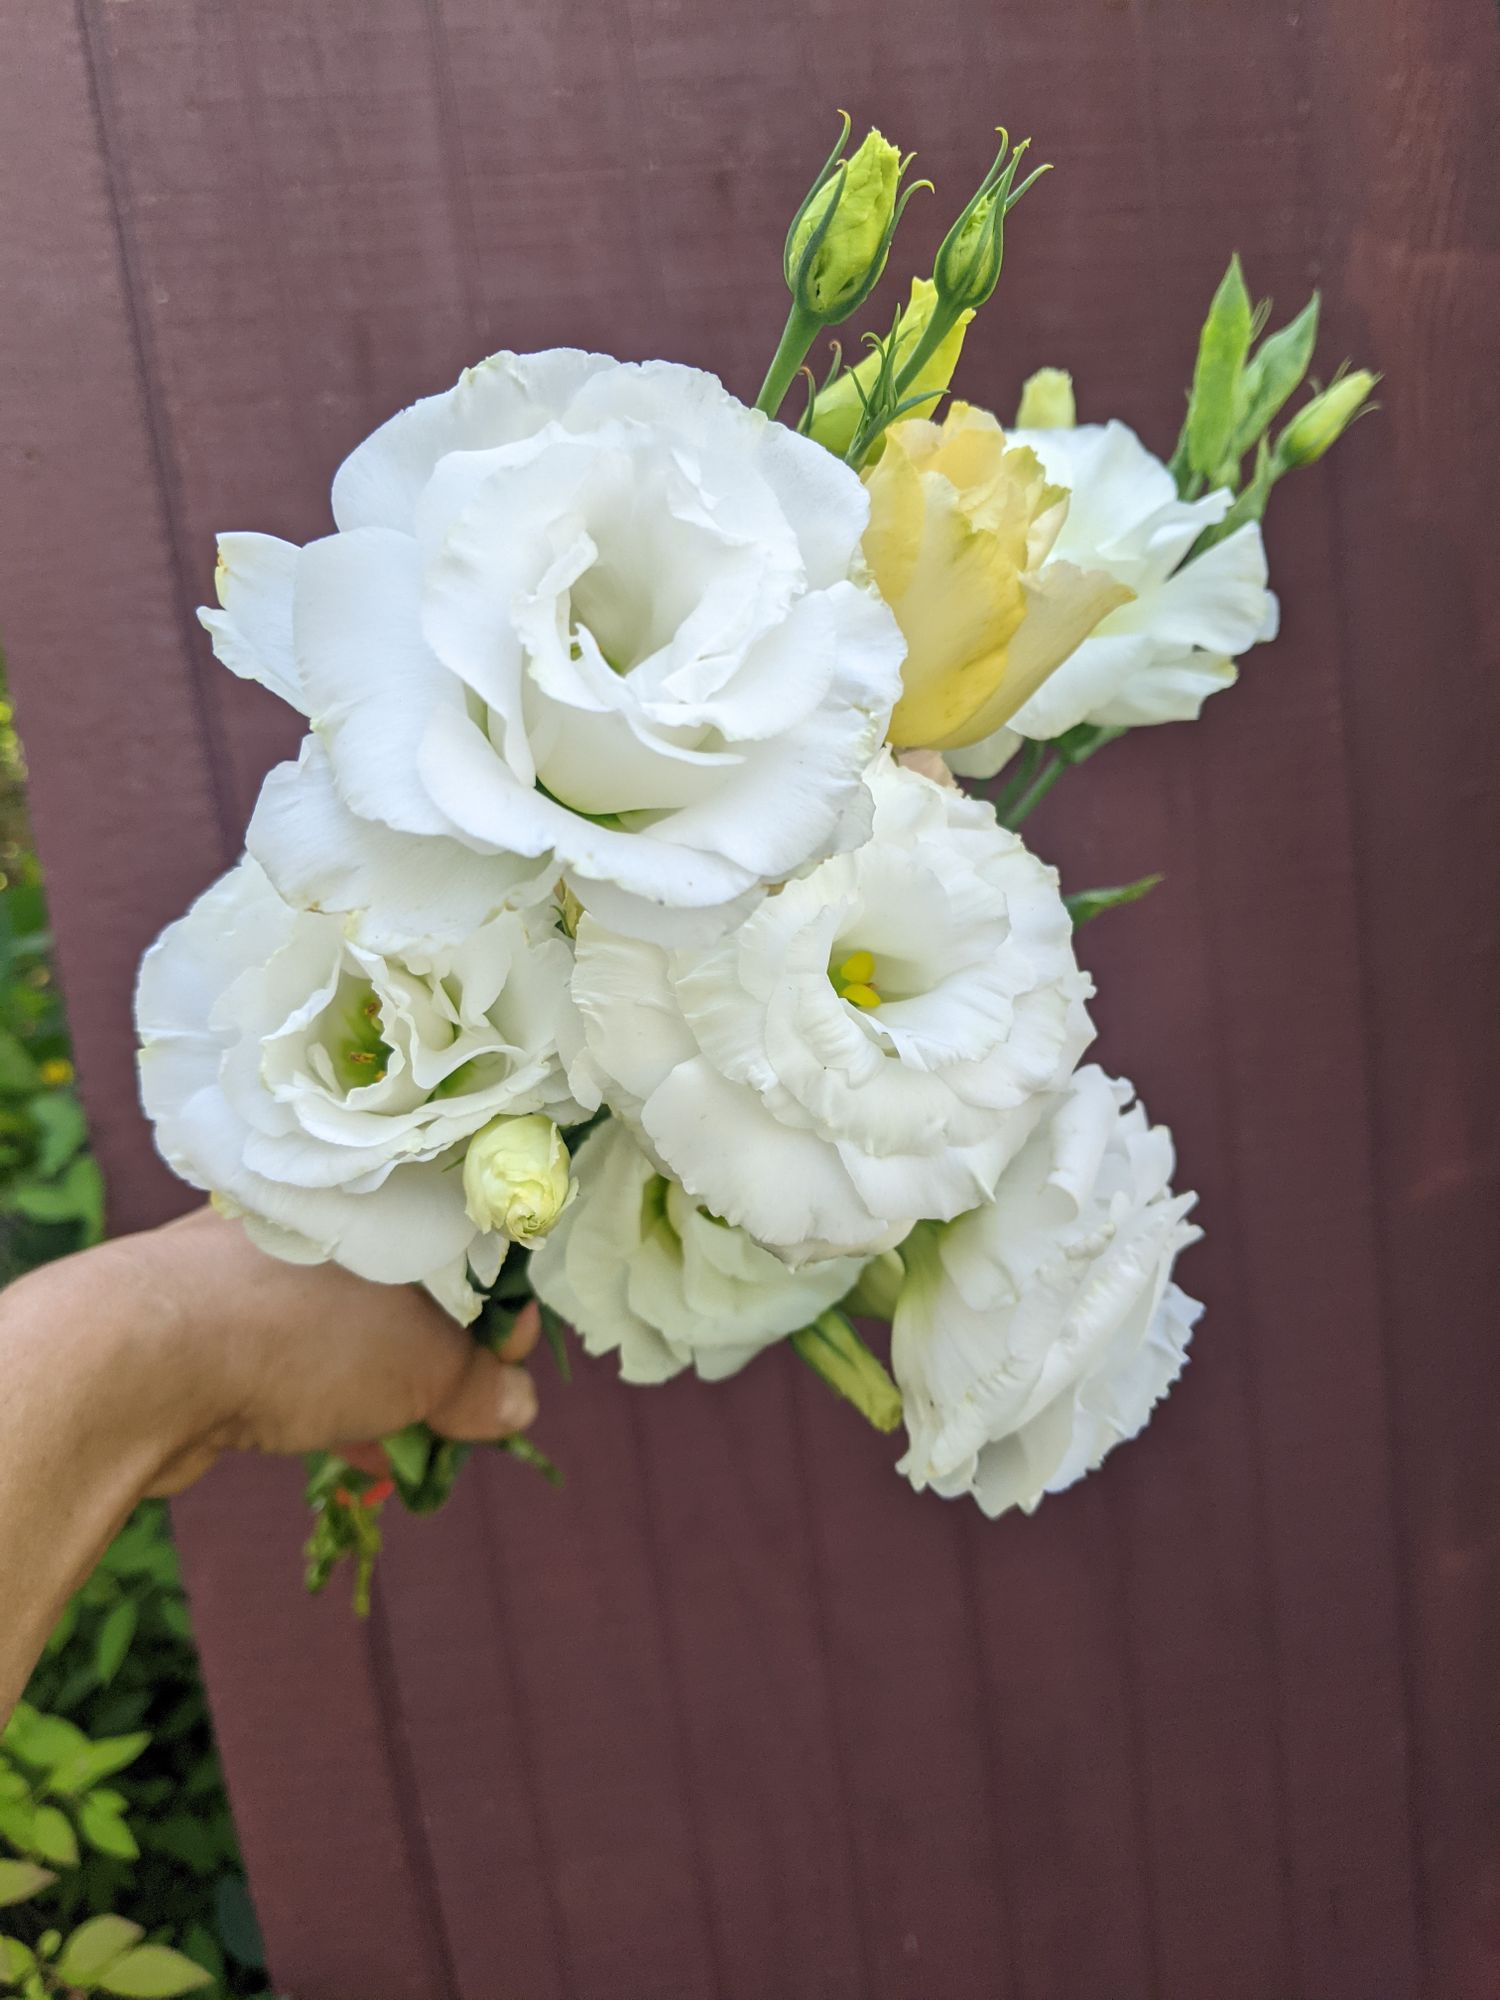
[
  {"x": 854, "y": 979},
  {"x": 356, "y": 1048}
]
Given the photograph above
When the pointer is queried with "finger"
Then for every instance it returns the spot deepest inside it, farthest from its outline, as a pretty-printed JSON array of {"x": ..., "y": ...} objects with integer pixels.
[
  {"x": 524, "y": 1335},
  {"x": 489, "y": 1400}
]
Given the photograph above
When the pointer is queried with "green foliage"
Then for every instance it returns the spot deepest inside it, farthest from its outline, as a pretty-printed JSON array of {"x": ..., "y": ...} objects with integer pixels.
[
  {"x": 55, "y": 1811},
  {"x": 1217, "y": 392},
  {"x": 1087, "y": 904},
  {"x": 110, "y": 1791}
]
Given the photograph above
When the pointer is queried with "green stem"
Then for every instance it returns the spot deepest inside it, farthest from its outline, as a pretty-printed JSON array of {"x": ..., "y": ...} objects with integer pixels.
[
  {"x": 1019, "y": 779},
  {"x": 1035, "y": 792},
  {"x": 944, "y": 319},
  {"x": 797, "y": 336}
]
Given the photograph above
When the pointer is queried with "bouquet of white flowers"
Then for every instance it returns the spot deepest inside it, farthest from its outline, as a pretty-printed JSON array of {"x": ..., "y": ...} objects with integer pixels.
[{"x": 622, "y": 937}]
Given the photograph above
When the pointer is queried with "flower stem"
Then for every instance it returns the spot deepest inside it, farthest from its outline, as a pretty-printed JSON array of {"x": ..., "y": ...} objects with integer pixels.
[
  {"x": 1019, "y": 779},
  {"x": 1035, "y": 792},
  {"x": 797, "y": 336},
  {"x": 944, "y": 319}
]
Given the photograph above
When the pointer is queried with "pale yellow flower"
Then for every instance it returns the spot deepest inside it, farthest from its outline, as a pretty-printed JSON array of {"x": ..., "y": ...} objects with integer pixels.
[
  {"x": 960, "y": 524},
  {"x": 837, "y": 412}
]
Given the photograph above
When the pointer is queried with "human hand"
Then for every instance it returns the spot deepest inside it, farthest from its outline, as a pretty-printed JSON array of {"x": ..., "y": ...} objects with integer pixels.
[
  {"x": 128, "y": 1368},
  {"x": 297, "y": 1357}
]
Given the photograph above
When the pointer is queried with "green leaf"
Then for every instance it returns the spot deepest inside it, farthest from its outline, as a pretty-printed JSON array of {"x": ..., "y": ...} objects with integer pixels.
[
  {"x": 1222, "y": 347},
  {"x": 59, "y": 1118},
  {"x": 239, "y": 1927},
  {"x": 521, "y": 1447},
  {"x": 78, "y": 1196},
  {"x": 1091, "y": 903},
  {"x": 152, "y": 1972},
  {"x": 18, "y": 1073},
  {"x": 102, "y": 1825},
  {"x": 1274, "y": 371},
  {"x": 22, "y": 1879},
  {"x": 97, "y": 1761},
  {"x": 113, "y": 1641},
  {"x": 53, "y": 1838},
  {"x": 94, "y": 1947},
  {"x": 409, "y": 1452},
  {"x": 16, "y": 1960},
  {"x": 42, "y": 1741}
]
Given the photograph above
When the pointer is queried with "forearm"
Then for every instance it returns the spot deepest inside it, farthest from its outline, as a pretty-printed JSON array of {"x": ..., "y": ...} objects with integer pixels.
[
  {"x": 94, "y": 1405},
  {"x": 127, "y": 1369}
]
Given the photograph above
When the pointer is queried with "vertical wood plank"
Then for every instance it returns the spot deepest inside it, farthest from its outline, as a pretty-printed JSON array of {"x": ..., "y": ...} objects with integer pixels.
[{"x": 1414, "y": 233}]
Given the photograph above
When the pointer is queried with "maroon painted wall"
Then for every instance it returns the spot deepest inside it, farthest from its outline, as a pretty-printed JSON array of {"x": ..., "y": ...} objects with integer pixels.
[{"x": 736, "y": 1715}]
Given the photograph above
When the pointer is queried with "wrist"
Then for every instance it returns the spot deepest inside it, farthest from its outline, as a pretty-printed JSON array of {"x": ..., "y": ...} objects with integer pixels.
[{"x": 118, "y": 1329}]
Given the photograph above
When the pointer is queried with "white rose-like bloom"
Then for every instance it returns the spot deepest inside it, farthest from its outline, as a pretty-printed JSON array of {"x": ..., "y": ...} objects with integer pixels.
[
  {"x": 638, "y": 1268},
  {"x": 1036, "y": 1333},
  {"x": 577, "y": 610},
  {"x": 326, "y": 1093},
  {"x": 866, "y": 1048},
  {"x": 1158, "y": 658}
]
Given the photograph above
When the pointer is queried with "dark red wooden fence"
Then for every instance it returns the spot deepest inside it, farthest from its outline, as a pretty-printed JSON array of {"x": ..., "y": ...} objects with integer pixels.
[{"x": 736, "y": 1715}]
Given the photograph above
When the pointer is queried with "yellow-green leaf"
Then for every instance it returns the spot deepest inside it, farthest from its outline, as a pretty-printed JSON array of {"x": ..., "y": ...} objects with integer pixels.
[
  {"x": 1222, "y": 348},
  {"x": 152, "y": 1972},
  {"x": 53, "y": 1838},
  {"x": 22, "y": 1879},
  {"x": 94, "y": 1947}
]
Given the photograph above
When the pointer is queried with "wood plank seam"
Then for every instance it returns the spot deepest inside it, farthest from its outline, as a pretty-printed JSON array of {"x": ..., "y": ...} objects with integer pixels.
[{"x": 168, "y": 483}]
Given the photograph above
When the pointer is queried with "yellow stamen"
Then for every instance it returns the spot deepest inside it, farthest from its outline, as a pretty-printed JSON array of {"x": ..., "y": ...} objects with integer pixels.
[
  {"x": 858, "y": 968},
  {"x": 360, "y": 1056},
  {"x": 861, "y": 995}
]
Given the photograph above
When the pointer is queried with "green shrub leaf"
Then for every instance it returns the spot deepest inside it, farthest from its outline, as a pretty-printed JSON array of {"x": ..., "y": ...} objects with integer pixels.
[
  {"x": 152, "y": 1972},
  {"x": 102, "y": 1826},
  {"x": 98, "y": 1761},
  {"x": 53, "y": 1838},
  {"x": 20, "y": 1880},
  {"x": 113, "y": 1642},
  {"x": 94, "y": 1947}
]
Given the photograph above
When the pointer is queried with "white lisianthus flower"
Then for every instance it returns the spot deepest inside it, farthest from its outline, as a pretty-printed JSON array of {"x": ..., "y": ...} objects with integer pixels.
[
  {"x": 866, "y": 1049},
  {"x": 588, "y": 614},
  {"x": 326, "y": 1093},
  {"x": 1036, "y": 1333},
  {"x": 639, "y": 1269},
  {"x": 1159, "y": 657}
]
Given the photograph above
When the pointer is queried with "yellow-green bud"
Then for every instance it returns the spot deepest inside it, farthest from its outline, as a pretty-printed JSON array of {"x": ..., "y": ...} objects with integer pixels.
[
  {"x": 967, "y": 268},
  {"x": 1047, "y": 402},
  {"x": 1321, "y": 423},
  {"x": 517, "y": 1177},
  {"x": 832, "y": 1349},
  {"x": 858, "y": 203},
  {"x": 837, "y": 411}
]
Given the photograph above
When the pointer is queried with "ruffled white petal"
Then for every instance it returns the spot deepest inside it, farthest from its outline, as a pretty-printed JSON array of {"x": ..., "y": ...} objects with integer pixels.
[
  {"x": 1035, "y": 1333},
  {"x": 252, "y": 631}
]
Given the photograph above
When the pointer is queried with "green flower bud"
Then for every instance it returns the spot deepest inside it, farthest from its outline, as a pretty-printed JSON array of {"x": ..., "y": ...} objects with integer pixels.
[
  {"x": 968, "y": 263},
  {"x": 837, "y": 411},
  {"x": 1047, "y": 402},
  {"x": 832, "y": 1349},
  {"x": 517, "y": 1178},
  {"x": 1321, "y": 423},
  {"x": 837, "y": 246}
]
